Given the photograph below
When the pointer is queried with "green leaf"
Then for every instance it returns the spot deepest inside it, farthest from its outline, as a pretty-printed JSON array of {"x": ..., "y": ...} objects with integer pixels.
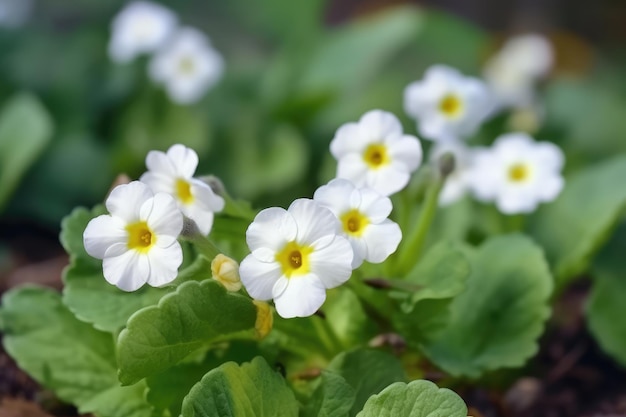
[
  {"x": 347, "y": 319},
  {"x": 367, "y": 371},
  {"x": 197, "y": 314},
  {"x": 72, "y": 228},
  {"x": 250, "y": 390},
  {"x": 496, "y": 321},
  {"x": 417, "y": 399},
  {"x": 25, "y": 130},
  {"x": 65, "y": 355},
  {"x": 333, "y": 397},
  {"x": 573, "y": 227},
  {"x": 440, "y": 274},
  {"x": 606, "y": 301}
]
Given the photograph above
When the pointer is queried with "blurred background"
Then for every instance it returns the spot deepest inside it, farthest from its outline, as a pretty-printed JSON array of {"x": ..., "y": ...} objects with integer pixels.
[{"x": 72, "y": 118}]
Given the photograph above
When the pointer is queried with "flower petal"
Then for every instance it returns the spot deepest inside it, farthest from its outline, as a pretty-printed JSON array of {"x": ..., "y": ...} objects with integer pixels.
[
  {"x": 303, "y": 296},
  {"x": 333, "y": 263},
  {"x": 103, "y": 232},
  {"x": 125, "y": 200},
  {"x": 272, "y": 228},
  {"x": 382, "y": 240},
  {"x": 183, "y": 159},
  {"x": 406, "y": 150},
  {"x": 164, "y": 217},
  {"x": 128, "y": 272},
  {"x": 313, "y": 220},
  {"x": 375, "y": 206},
  {"x": 259, "y": 277},
  {"x": 388, "y": 180},
  {"x": 158, "y": 162},
  {"x": 164, "y": 264},
  {"x": 352, "y": 167},
  {"x": 378, "y": 124},
  {"x": 335, "y": 195}
]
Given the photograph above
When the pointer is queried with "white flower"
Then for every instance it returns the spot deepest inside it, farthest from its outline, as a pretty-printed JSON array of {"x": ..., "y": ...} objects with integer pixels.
[
  {"x": 141, "y": 27},
  {"x": 457, "y": 182},
  {"x": 188, "y": 66},
  {"x": 14, "y": 13},
  {"x": 363, "y": 214},
  {"x": 172, "y": 173},
  {"x": 446, "y": 104},
  {"x": 137, "y": 241},
  {"x": 296, "y": 255},
  {"x": 513, "y": 72},
  {"x": 518, "y": 173},
  {"x": 376, "y": 153}
]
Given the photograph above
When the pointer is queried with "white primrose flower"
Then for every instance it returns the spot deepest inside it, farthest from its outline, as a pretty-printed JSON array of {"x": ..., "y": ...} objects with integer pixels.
[
  {"x": 141, "y": 27},
  {"x": 457, "y": 182},
  {"x": 517, "y": 173},
  {"x": 296, "y": 254},
  {"x": 446, "y": 104},
  {"x": 188, "y": 66},
  {"x": 513, "y": 72},
  {"x": 137, "y": 241},
  {"x": 374, "y": 152},
  {"x": 172, "y": 173},
  {"x": 363, "y": 214},
  {"x": 14, "y": 13}
]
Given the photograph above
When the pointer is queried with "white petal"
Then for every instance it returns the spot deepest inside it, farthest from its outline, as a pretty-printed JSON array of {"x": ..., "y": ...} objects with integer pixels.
[
  {"x": 303, "y": 296},
  {"x": 352, "y": 167},
  {"x": 103, "y": 232},
  {"x": 515, "y": 202},
  {"x": 313, "y": 220},
  {"x": 164, "y": 217},
  {"x": 280, "y": 286},
  {"x": 382, "y": 240},
  {"x": 406, "y": 150},
  {"x": 388, "y": 180},
  {"x": 333, "y": 264},
  {"x": 359, "y": 249},
  {"x": 272, "y": 228},
  {"x": 159, "y": 182},
  {"x": 347, "y": 140},
  {"x": 259, "y": 277},
  {"x": 203, "y": 218},
  {"x": 125, "y": 200},
  {"x": 164, "y": 264},
  {"x": 205, "y": 197},
  {"x": 374, "y": 205},
  {"x": 550, "y": 188},
  {"x": 549, "y": 156},
  {"x": 184, "y": 160},
  {"x": 378, "y": 124},
  {"x": 159, "y": 163},
  {"x": 128, "y": 271},
  {"x": 335, "y": 195}
]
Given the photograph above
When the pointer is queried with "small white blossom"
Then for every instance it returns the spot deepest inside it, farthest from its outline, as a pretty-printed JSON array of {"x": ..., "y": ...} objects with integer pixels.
[
  {"x": 374, "y": 152},
  {"x": 188, "y": 66},
  {"x": 457, "y": 182},
  {"x": 172, "y": 173},
  {"x": 140, "y": 28},
  {"x": 363, "y": 214},
  {"x": 447, "y": 104},
  {"x": 137, "y": 241},
  {"x": 14, "y": 13},
  {"x": 517, "y": 173},
  {"x": 513, "y": 72},
  {"x": 296, "y": 255}
]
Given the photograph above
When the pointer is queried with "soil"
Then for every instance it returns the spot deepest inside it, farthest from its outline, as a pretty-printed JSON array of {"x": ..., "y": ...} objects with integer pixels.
[{"x": 569, "y": 377}]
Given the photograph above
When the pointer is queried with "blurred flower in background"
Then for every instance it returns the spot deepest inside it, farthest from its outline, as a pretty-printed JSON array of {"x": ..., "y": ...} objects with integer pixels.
[{"x": 14, "y": 13}]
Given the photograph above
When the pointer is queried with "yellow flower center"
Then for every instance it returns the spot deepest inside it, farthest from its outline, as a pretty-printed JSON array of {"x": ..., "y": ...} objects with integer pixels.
[
  {"x": 451, "y": 105},
  {"x": 376, "y": 155},
  {"x": 183, "y": 191},
  {"x": 294, "y": 259},
  {"x": 354, "y": 222},
  {"x": 140, "y": 237},
  {"x": 186, "y": 66},
  {"x": 518, "y": 172}
]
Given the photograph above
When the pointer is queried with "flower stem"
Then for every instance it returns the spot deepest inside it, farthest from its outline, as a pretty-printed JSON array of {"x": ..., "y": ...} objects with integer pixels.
[
  {"x": 204, "y": 246},
  {"x": 412, "y": 249}
]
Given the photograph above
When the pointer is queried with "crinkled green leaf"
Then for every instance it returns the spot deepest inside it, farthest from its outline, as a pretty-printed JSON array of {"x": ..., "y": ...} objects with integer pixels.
[
  {"x": 198, "y": 313},
  {"x": 65, "y": 355},
  {"x": 333, "y": 397},
  {"x": 25, "y": 130},
  {"x": 574, "y": 226},
  {"x": 497, "y": 320},
  {"x": 347, "y": 319},
  {"x": 416, "y": 399},
  {"x": 440, "y": 274},
  {"x": 250, "y": 390},
  {"x": 367, "y": 371}
]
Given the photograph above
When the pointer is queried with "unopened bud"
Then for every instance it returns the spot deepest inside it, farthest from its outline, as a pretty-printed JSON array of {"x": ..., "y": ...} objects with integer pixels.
[
  {"x": 226, "y": 271},
  {"x": 264, "y": 318},
  {"x": 446, "y": 164},
  {"x": 215, "y": 183}
]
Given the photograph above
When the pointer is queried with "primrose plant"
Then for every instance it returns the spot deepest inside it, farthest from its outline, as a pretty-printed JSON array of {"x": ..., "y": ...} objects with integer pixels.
[{"x": 181, "y": 300}]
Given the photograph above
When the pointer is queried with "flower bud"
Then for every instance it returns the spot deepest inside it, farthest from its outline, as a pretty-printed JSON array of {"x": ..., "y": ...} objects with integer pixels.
[
  {"x": 264, "y": 318},
  {"x": 226, "y": 271}
]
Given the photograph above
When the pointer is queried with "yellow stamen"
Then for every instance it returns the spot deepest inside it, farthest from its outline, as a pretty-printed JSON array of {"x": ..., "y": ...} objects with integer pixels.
[
  {"x": 354, "y": 222},
  {"x": 518, "y": 172},
  {"x": 451, "y": 105},
  {"x": 376, "y": 155},
  {"x": 294, "y": 259},
  {"x": 140, "y": 237},
  {"x": 183, "y": 191},
  {"x": 186, "y": 66}
]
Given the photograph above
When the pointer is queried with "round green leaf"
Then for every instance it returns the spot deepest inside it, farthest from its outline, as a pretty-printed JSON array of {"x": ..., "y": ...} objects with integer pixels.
[
  {"x": 250, "y": 390},
  {"x": 496, "y": 321},
  {"x": 198, "y": 313},
  {"x": 417, "y": 399},
  {"x": 333, "y": 397}
]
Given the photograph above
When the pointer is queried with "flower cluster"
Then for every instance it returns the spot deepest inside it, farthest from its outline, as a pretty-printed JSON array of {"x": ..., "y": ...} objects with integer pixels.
[
  {"x": 137, "y": 240},
  {"x": 184, "y": 60},
  {"x": 516, "y": 173}
]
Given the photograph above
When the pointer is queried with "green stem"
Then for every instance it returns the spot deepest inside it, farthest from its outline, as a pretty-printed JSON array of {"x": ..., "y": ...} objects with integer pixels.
[
  {"x": 204, "y": 246},
  {"x": 412, "y": 249}
]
